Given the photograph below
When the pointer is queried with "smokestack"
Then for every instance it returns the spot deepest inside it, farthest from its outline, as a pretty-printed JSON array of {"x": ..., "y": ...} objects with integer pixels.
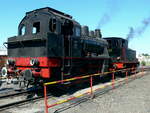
[
  {"x": 91, "y": 34},
  {"x": 85, "y": 31},
  {"x": 98, "y": 33}
]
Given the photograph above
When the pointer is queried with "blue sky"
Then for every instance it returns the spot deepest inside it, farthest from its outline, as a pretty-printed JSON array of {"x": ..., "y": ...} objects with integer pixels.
[{"x": 114, "y": 17}]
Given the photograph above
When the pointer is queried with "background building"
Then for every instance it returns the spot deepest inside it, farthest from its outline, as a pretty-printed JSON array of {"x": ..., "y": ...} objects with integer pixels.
[
  {"x": 3, "y": 56},
  {"x": 144, "y": 59}
]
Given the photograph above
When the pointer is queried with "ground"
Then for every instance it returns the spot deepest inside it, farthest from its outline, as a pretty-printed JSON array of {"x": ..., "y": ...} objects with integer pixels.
[{"x": 133, "y": 97}]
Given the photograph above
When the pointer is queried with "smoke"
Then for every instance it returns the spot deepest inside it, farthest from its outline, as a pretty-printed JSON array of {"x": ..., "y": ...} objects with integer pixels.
[
  {"x": 131, "y": 33},
  {"x": 145, "y": 23},
  {"x": 135, "y": 32},
  {"x": 104, "y": 20},
  {"x": 112, "y": 8}
]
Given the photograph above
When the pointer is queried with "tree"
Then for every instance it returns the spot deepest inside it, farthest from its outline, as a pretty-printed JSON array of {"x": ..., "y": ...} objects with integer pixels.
[
  {"x": 143, "y": 63},
  {"x": 145, "y": 54}
]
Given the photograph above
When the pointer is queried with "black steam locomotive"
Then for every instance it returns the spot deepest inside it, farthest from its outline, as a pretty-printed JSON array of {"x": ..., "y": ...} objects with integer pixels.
[
  {"x": 121, "y": 56},
  {"x": 51, "y": 45}
]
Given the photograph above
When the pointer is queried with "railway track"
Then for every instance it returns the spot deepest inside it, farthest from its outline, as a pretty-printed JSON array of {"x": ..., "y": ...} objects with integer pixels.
[
  {"x": 29, "y": 97},
  {"x": 13, "y": 94},
  {"x": 26, "y": 94},
  {"x": 21, "y": 102}
]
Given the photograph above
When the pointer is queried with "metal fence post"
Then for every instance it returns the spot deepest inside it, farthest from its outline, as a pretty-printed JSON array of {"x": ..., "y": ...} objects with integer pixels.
[
  {"x": 132, "y": 72},
  {"x": 45, "y": 99},
  {"x": 91, "y": 85},
  {"x": 142, "y": 71},
  {"x": 113, "y": 80},
  {"x": 126, "y": 77},
  {"x": 135, "y": 74}
]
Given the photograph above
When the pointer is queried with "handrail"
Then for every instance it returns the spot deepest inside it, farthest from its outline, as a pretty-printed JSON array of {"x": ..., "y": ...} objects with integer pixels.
[{"x": 91, "y": 84}]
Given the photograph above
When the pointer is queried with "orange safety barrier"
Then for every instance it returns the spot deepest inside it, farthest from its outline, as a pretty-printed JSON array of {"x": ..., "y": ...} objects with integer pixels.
[
  {"x": 91, "y": 85},
  {"x": 113, "y": 80},
  {"x": 126, "y": 77}
]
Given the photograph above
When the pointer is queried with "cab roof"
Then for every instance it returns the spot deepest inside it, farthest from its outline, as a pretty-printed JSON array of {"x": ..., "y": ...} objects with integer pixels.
[
  {"x": 111, "y": 38},
  {"x": 48, "y": 9}
]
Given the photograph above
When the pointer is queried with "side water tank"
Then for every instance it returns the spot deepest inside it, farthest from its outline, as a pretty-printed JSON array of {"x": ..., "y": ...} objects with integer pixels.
[
  {"x": 85, "y": 31},
  {"x": 98, "y": 33}
]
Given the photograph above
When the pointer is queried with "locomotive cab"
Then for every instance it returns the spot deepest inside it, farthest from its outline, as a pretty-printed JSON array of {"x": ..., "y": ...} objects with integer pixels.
[
  {"x": 121, "y": 55},
  {"x": 116, "y": 46},
  {"x": 42, "y": 34}
]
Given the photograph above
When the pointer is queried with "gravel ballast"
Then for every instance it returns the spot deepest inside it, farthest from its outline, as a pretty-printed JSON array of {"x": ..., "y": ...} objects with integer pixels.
[{"x": 133, "y": 97}]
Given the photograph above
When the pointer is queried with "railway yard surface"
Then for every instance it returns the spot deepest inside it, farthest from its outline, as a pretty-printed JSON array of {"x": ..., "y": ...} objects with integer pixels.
[{"x": 133, "y": 97}]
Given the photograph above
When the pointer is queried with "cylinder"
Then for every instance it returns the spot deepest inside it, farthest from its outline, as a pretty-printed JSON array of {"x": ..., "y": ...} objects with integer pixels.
[
  {"x": 98, "y": 33},
  {"x": 85, "y": 31},
  {"x": 91, "y": 34}
]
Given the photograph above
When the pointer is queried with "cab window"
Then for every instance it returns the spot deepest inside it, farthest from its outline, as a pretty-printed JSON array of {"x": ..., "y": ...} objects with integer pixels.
[
  {"x": 109, "y": 44},
  {"x": 123, "y": 43},
  {"x": 52, "y": 25},
  {"x": 77, "y": 31},
  {"x": 67, "y": 27},
  {"x": 22, "y": 30},
  {"x": 116, "y": 43},
  {"x": 36, "y": 27}
]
